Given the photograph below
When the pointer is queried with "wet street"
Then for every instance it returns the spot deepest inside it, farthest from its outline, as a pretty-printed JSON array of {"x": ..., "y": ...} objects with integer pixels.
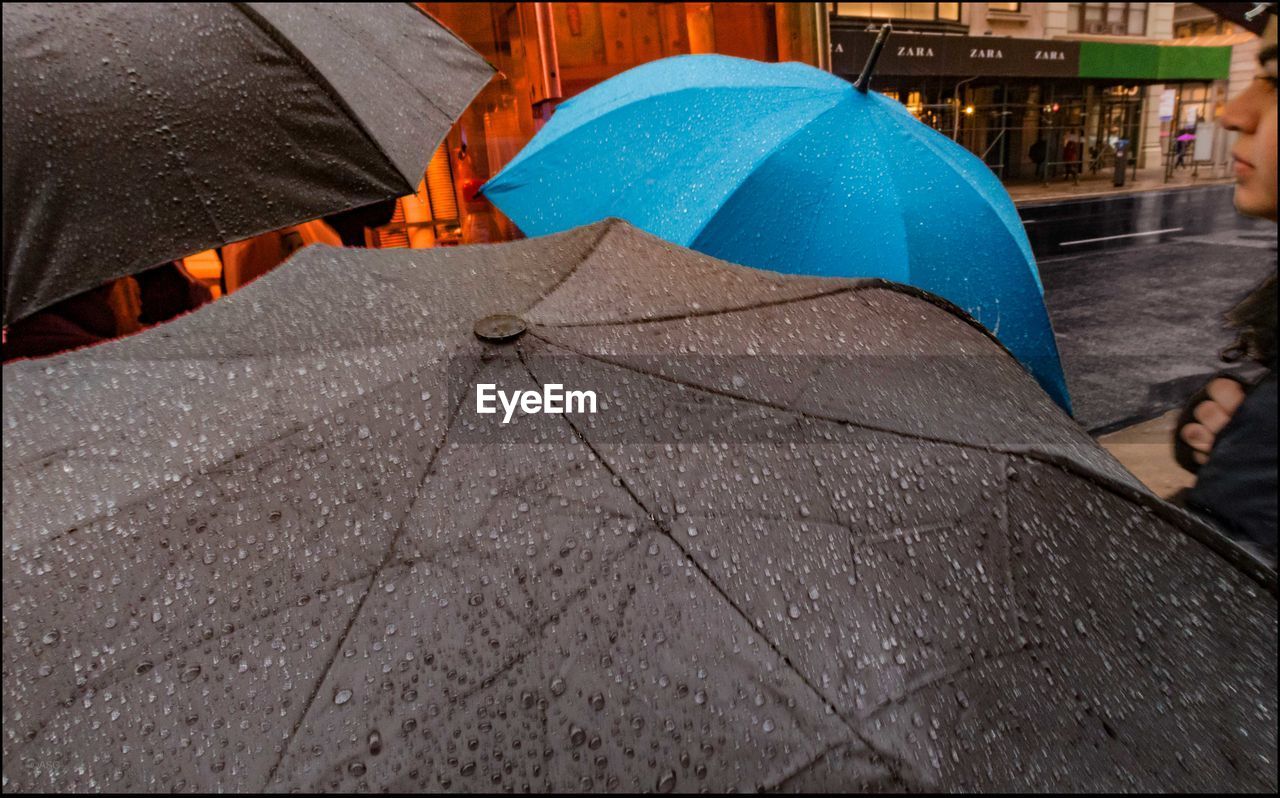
[{"x": 1136, "y": 287}]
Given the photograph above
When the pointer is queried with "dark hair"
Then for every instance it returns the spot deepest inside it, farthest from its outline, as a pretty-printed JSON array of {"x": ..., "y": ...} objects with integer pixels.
[{"x": 1255, "y": 321}]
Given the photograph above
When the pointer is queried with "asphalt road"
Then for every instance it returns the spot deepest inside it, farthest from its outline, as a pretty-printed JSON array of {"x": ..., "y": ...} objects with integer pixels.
[{"x": 1136, "y": 288}]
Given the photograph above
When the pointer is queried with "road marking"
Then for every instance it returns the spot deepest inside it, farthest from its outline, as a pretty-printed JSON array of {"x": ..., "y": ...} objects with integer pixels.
[{"x": 1125, "y": 235}]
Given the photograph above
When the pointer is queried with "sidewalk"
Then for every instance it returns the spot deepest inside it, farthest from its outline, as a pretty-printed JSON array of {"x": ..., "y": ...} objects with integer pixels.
[
  {"x": 1146, "y": 449},
  {"x": 1100, "y": 185}
]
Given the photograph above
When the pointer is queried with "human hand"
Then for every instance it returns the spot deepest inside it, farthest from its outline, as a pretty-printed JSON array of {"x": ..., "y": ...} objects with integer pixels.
[{"x": 1225, "y": 396}]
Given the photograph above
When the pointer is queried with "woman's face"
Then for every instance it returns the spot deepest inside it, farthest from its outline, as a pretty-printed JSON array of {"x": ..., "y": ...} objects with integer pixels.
[{"x": 1253, "y": 115}]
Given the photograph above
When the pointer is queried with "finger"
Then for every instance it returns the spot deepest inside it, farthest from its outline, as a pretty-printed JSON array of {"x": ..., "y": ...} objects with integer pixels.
[
  {"x": 1212, "y": 415},
  {"x": 1198, "y": 437},
  {"x": 1227, "y": 393},
  {"x": 1200, "y": 457}
]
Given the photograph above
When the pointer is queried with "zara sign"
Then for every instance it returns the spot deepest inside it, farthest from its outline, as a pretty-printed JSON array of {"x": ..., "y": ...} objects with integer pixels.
[{"x": 959, "y": 56}]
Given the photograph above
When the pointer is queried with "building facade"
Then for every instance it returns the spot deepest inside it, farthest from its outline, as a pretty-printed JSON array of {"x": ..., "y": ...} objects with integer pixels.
[
  {"x": 546, "y": 53},
  {"x": 1039, "y": 91},
  {"x": 1044, "y": 91}
]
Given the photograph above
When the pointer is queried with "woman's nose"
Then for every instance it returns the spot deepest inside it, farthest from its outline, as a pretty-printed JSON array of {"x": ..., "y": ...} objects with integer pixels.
[{"x": 1239, "y": 114}]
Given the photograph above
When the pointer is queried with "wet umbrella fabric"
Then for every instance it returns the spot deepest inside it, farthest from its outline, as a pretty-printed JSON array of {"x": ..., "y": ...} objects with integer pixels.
[
  {"x": 788, "y": 168},
  {"x": 779, "y": 555},
  {"x": 135, "y": 134}
]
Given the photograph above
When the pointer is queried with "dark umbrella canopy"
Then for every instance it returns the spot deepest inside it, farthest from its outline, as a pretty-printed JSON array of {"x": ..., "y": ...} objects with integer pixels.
[
  {"x": 139, "y": 133},
  {"x": 819, "y": 534}
]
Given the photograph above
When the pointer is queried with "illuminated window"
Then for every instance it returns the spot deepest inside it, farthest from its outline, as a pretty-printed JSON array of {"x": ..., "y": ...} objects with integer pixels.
[
  {"x": 914, "y": 103},
  {"x": 427, "y": 217},
  {"x": 1201, "y": 27},
  {"x": 1116, "y": 19}
]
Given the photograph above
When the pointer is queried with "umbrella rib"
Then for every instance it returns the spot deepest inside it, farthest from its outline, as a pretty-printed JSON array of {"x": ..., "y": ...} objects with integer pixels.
[
  {"x": 781, "y": 784},
  {"x": 771, "y": 405},
  {"x": 664, "y": 528},
  {"x": 577, "y": 127},
  {"x": 185, "y": 169},
  {"x": 778, "y": 147},
  {"x": 717, "y": 312},
  {"x": 304, "y": 63},
  {"x": 222, "y": 466},
  {"x": 940, "y": 675},
  {"x": 846, "y": 285},
  {"x": 1005, "y": 488},
  {"x": 1016, "y": 628},
  {"x": 386, "y": 558},
  {"x": 606, "y": 228},
  {"x": 1264, "y": 575}
]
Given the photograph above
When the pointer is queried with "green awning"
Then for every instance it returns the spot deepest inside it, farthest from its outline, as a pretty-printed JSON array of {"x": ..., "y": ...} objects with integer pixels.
[{"x": 1153, "y": 61}]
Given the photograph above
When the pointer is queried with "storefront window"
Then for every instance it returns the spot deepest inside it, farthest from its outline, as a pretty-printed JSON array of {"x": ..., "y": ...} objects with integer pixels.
[
  {"x": 1116, "y": 19},
  {"x": 943, "y": 12}
]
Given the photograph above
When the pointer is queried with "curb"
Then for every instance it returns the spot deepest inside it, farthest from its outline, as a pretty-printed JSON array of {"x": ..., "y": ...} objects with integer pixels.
[{"x": 1054, "y": 198}]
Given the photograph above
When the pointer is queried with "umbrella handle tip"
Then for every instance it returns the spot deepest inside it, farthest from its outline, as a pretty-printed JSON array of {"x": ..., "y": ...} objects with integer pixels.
[{"x": 863, "y": 83}]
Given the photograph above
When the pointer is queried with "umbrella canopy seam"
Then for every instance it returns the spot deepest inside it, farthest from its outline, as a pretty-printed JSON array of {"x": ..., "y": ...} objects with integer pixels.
[
  {"x": 1212, "y": 539},
  {"x": 606, "y": 228},
  {"x": 386, "y": 558},
  {"x": 877, "y": 124},
  {"x": 221, "y": 467},
  {"x": 892, "y": 762},
  {"x": 992, "y": 204},
  {"x": 843, "y": 286},
  {"x": 311, "y": 70},
  {"x": 187, "y": 175},
  {"x": 778, "y": 147},
  {"x": 781, "y": 783},
  {"x": 123, "y": 671},
  {"x": 535, "y": 146}
]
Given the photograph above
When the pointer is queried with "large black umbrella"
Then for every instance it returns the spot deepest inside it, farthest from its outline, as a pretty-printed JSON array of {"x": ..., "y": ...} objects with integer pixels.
[
  {"x": 139, "y": 133},
  {"x": 818, "y": 534}
]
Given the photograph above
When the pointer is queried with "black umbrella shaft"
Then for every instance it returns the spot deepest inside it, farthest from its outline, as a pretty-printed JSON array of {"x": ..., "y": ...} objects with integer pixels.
[{"x": 864, "y": 80}]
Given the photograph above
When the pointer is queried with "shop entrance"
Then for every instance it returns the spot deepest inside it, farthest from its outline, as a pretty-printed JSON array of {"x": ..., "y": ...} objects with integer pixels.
[
  {"x": 1118, "y": 119},
  {"x": 1187, "y": 127},
  {"x": 1026, "y": 131}
]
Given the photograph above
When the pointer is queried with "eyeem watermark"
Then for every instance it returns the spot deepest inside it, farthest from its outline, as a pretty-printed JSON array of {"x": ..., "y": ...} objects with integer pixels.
[{"x": 552, "y": 400}]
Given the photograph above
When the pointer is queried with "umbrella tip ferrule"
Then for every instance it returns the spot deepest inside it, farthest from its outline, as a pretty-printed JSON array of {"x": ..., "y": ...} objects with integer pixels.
[
  {"x": 864, "y": 80},
  {"x": 500, "y": 328}
]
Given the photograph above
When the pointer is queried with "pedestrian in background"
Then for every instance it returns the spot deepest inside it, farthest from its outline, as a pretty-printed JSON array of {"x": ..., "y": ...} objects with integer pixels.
[
  {"x": 1039, "y": 154},
  {"x": 1070, "y": 151},
  {"x": 1228, "y": 434}
]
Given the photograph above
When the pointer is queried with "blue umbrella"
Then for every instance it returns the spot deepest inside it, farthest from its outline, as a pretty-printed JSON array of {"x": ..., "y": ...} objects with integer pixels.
[{"x": 786, "y": 167}]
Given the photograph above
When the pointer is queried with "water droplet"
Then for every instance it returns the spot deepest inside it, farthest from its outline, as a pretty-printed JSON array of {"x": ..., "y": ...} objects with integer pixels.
[{"x": 667, "y": 781}]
